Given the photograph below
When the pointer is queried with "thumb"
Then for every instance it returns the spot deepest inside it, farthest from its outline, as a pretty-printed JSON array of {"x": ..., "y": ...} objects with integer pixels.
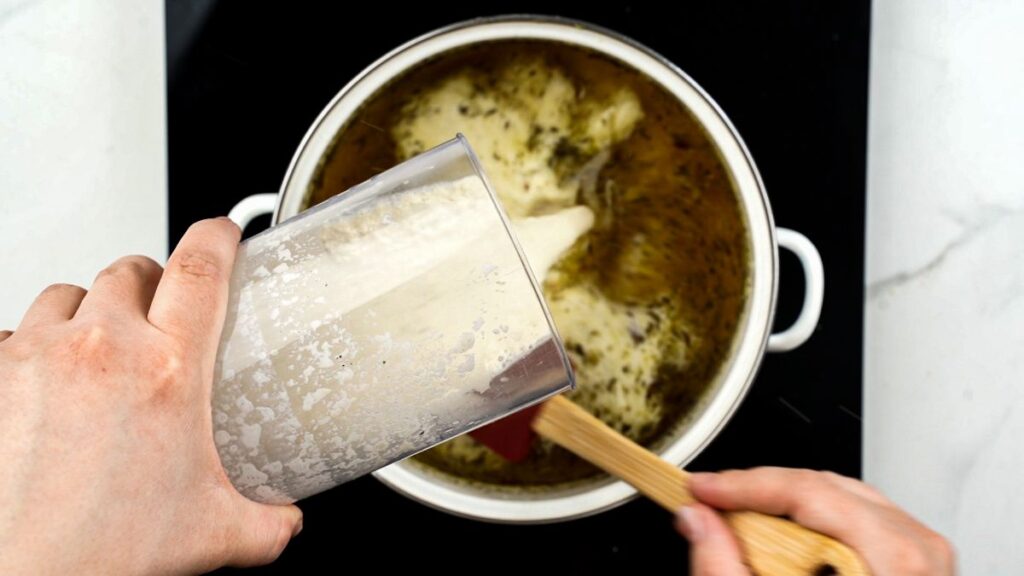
[
  {"x": 261, "y": 533},
  {"x": 713, "y": 548}
]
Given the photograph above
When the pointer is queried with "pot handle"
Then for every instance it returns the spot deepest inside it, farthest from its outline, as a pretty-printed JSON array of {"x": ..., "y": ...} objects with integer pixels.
[
  {"x": 814, "y": 292},
  {"x": 252, "y": 207}
]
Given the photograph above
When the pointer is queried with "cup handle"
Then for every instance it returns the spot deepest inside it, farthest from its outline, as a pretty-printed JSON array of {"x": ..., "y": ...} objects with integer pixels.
[
  {"x": 814, "y": 292},
  {"x": 252, "y": 207}
]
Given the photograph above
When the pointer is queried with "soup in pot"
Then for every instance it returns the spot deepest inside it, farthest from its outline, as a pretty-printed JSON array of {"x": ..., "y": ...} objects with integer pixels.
[{"x": 649, "y": 300}]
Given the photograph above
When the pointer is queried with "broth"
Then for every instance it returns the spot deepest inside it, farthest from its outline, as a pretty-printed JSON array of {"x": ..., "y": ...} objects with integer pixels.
[{"x": 669, "y": 253}]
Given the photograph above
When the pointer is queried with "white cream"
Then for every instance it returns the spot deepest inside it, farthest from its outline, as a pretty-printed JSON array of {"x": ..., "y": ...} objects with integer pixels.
[{"x": 545, "y": 239}]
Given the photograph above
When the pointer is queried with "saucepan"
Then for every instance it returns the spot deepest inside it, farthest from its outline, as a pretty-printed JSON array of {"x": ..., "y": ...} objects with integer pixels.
[{"x": 753, "y": 333}]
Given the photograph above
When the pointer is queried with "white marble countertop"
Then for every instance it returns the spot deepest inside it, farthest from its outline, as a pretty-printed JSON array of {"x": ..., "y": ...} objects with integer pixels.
[
  {"x": 944, "y": 331},
  {"x": 83, "y": 180},
  {"x": 83, "y": 177}
]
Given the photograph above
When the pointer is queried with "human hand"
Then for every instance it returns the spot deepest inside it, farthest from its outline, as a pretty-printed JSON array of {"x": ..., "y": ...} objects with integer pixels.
[
  {"x": 105, "y": 425},
  {"x": 887, "y": 538}
]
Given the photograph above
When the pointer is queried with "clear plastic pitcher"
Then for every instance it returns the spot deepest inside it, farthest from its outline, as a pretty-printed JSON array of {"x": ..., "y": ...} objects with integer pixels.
[{"x": 386, "y": 320}]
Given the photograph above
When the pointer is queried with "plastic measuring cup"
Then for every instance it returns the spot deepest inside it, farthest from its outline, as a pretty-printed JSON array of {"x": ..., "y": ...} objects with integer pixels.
[{"x": 388, "y": 319}]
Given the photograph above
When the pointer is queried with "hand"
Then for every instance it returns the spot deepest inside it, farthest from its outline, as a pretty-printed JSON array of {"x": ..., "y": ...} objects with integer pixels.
[
  {"x": 109, "y": 464},
  {"x": 890, "y": 541}
]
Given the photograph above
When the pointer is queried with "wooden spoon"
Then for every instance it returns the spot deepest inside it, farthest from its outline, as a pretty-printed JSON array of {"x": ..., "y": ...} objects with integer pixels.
[{"x": 771, "y": 545}]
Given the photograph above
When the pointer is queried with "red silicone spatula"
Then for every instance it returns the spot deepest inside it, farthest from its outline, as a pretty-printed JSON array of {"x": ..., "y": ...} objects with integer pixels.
[{"x": 772, "y": 545}]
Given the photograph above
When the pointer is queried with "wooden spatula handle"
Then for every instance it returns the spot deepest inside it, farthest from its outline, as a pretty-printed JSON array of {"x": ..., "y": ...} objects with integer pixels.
[{"x": 772, "y": 545}]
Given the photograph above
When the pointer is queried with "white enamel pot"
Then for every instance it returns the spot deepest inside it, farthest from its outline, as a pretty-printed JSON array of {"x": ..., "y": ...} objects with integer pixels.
[{"x": 754, "y": 336}]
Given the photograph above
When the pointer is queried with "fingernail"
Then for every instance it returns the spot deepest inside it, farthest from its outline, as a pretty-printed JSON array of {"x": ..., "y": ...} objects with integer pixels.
[
  {"x": 297, "y": 529},
  {"x": 690, "y": 522}
]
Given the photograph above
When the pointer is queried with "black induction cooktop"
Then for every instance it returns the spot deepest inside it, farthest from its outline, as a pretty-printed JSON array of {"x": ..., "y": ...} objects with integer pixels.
[{"x": 245, "y": 81}]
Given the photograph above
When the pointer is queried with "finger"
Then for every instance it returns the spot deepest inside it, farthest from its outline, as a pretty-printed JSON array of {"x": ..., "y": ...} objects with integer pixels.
[
  {"x": 809, "y": 498},
  {"x": 261, "y": 533},
  {"x": 859, "y": 488},
  {"x": 57, "y": 303},
  {"x": 192, "y": 296},
  {"x": 778, "y": 491},
  {"x": 5, "y": 334},
  {"x": 126, "y": 286},
  {"x": 713, "y": 547}
]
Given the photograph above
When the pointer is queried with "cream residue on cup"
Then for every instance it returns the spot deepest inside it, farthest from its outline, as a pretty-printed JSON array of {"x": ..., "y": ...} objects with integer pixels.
[{"x": 355, "y": 341}]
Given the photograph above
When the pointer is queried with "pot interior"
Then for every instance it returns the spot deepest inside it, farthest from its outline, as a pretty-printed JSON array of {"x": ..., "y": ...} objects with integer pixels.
[{"x": 651, "y": 302}]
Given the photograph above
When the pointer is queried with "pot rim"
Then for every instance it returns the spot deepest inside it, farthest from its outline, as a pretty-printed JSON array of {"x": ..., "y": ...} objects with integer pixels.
[{"x": 735, "y": 375}]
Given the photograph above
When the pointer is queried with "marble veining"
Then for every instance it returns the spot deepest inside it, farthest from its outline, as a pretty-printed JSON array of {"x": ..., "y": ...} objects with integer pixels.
[
  {"x": 944, "y": 314},
  {"x": 990, "y": 215}
]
